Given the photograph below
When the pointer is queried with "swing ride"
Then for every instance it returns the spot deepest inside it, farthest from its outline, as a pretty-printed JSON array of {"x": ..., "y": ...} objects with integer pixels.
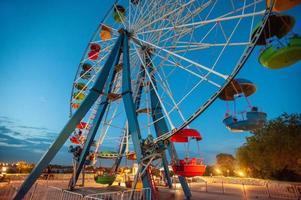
[{"x": 150, "y": 69}]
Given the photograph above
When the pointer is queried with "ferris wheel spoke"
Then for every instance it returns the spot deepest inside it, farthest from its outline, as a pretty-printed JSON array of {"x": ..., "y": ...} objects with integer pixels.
[
  {"x": 166, "y": 15},
  {"x": 154, "y": 88},
  {"x": 190, "y": 71},
  {"x": 165, "y": 86},
  {"x": 155, "y": 12},
  {"x": 185, "y": 59},
  {"x": 205, "y": 22},
  {"x": 142, "y": 12}
]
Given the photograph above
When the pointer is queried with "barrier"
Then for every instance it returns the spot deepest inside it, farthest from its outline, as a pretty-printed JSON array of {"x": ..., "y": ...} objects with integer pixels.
[
  {"x": 138, "y": 194},
  {"x": 7, "y": 192},
  {"x": 104, "y": 196}
]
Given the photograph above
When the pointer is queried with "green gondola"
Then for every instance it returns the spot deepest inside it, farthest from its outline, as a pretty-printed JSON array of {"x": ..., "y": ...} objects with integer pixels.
[
  {"x": 277, "y": 25},
  {"x": 105, "y": 179},
  {"x": 276, "y": 58},
  {"x": 119, "y": 13},
  {"x": 107, "y": 154},
  {"x": 79, "y": 96}
]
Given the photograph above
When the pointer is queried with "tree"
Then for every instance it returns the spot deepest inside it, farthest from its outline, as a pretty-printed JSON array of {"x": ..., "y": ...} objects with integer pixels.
[
  {"x": 274, "y": 151},
  {"x": 225, "y": 163}
]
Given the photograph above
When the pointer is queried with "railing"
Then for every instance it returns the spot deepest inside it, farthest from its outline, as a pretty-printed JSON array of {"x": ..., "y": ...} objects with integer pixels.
[
  {"x": 105, "y": 195},
  {"x": 138, "y": 194},
  {"x": 245, "y": 188}
]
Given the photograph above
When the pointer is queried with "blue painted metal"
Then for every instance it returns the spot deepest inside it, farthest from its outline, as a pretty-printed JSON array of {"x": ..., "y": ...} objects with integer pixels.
[
  {"x": 130, "y": 110},
  {"x": 161, "y": 128},
  {"x": 98, "y": 117},
  {"x": 155, "y": 106},
  {"x": 122, "y": 147},
  {"x": 71, "y": 124}
]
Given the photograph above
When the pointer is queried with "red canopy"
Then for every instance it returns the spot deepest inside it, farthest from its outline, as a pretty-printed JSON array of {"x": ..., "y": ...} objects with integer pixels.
[
  {"x": 184, "y": 134},
  {"x": 82, "y": 125}
]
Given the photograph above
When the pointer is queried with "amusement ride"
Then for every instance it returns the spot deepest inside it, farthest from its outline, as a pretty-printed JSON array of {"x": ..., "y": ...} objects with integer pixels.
[{"x": 151, "y": 68}]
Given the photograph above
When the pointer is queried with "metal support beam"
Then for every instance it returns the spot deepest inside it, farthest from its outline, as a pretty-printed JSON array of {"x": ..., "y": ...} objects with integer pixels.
[
  {"x": 71, "y": 124},
  {"x": 98, "y": 118},
  {"x": 137, "y": 99},
  {"x": 130, "y": 109},
  {"x": 161, "y": 128},
  {"x": 155, "y": 104}
]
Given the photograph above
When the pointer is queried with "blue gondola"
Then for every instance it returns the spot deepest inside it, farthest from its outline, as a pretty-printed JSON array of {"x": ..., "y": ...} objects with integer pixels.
[{"x": 254, "y": 120}]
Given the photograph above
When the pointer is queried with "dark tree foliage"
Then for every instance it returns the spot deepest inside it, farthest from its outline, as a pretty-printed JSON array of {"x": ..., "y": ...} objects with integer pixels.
[
  {"x": 226, "y": 163},
  {"x": 274, "y": 151}
]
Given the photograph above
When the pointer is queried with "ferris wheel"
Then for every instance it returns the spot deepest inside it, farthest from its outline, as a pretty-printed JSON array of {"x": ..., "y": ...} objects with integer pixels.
[
  {"x": 181, "y": 54},
  {"x": 150, "y": 69}
]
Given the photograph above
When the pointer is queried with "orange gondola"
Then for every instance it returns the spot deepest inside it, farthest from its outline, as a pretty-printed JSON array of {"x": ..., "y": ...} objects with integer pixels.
[
  {"x": 283, "y": 5},
  {"x": 105, "y": 33}
]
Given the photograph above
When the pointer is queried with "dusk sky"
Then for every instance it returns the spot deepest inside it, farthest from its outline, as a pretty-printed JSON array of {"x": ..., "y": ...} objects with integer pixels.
[{"x": 42, "y": 43}]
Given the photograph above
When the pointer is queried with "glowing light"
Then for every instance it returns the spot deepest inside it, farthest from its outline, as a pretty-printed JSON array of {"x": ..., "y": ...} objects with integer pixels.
[
  {"x": 240, "y": 173},
  {"x": 218, "y": 171},
  {"x": 4, "y": 169}
]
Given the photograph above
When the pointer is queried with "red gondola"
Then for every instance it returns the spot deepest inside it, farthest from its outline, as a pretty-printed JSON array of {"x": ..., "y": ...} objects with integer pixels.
[
  {"x": 95, "y": 47},
  {"x": 82, "y": 125},
  {"x": 93, "y": 55},
  {"x": 188, "y": 167},
  {"x": 74, "y": 140}
]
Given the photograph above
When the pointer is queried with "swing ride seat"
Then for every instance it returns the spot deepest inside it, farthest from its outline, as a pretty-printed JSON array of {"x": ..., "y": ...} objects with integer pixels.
[
  {"x": 107, "y": 155},
  {"x": 189, "y": 167},
  {"x": 237, "y": 86},
  {"x": 277, "y": 25},
  {"x": 283, "y": 5},
  {"x": 105, "y": 179},
  {"x": 276, "y": 58},
  {"x": 254, "y": 120}
]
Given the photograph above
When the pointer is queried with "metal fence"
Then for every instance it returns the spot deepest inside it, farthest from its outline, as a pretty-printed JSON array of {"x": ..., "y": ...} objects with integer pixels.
[
  {"x": 141, "y": 194},
  {"x": 105, "y": 196},
  {"x": 269, "y": 190},
  {"x": 45, "y": 192}
]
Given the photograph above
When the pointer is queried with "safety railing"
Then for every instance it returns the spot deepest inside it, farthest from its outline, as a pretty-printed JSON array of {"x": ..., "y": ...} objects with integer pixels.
[{"x": 137, "y": 194}]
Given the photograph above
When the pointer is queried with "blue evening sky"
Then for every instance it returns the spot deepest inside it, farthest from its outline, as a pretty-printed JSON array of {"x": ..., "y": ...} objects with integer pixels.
[{"x": 41, "y": 45}]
